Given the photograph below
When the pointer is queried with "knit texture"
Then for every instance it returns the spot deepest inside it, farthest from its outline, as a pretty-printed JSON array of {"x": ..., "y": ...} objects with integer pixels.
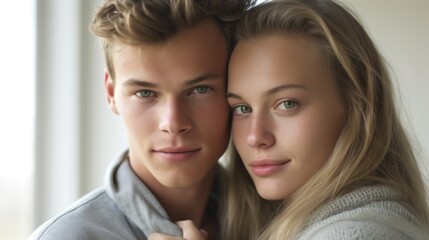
[{"x": 370, "y": 213}]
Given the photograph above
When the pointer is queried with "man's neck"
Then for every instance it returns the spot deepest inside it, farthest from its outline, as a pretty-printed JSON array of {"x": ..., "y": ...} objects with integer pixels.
[
  {"x": 186, "y": 203},
  {"x": 191, "y": 204},
  {"x": 181, "y": 203}
]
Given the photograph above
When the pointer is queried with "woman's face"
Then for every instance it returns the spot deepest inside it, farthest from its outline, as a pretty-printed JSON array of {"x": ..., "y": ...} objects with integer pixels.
[{"x": 287, "y": 111}]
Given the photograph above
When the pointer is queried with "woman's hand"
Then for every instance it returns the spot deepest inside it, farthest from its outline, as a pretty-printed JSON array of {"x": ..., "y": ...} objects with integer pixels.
[{"x": 190, "y": 232}]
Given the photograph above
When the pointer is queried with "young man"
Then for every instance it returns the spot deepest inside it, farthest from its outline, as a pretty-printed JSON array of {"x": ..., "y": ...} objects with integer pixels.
[{"x": 166, "y": 78}]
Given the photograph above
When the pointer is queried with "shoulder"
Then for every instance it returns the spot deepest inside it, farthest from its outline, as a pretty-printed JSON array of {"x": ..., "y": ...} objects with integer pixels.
[
  {"x": 358, "y": 229},
  {"x": 369, "y": 213},
  {"x": 94, "y": 216},
  {"x": 375, "y": 221}
]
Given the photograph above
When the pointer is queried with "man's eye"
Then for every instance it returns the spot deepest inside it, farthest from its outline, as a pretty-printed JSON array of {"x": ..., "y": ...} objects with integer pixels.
[
  {"x": 144, "y": 93},
  {"x": 201, "y": 89},
  {"x": 287, "y": 105},
  {"x": 241, "y": 109}
]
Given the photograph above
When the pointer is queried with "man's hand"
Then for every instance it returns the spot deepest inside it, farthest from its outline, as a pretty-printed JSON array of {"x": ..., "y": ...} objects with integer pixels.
[{"x": 190, "y": 232}]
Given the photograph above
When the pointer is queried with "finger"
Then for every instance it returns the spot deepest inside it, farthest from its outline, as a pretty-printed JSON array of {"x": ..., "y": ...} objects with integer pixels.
[
  {"x": 160, "y": 236},
  {"x": 205, "y": 233},
  {"x": 191, "y": 232}
]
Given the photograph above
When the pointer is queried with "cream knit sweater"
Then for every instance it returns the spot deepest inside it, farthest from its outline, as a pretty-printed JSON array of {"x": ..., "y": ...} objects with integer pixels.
[{"x": 370, "y": 213}]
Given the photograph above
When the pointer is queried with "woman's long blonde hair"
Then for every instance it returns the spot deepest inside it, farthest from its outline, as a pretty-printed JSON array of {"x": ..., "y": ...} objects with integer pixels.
[{"x": 373, "y": 147}]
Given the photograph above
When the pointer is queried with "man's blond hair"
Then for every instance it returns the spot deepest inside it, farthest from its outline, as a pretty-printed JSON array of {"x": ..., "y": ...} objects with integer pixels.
[{"x": 135, "y": 22}]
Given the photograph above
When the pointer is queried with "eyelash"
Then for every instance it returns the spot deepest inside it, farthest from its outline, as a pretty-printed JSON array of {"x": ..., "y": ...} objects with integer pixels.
[
  {"x": 150, "y": 93},
  {"x": 195, "y": 91},
  {"x": 240, "y": 107},
  {"x": 295, "y": 105},
  {"x": 246, "y": 109}
]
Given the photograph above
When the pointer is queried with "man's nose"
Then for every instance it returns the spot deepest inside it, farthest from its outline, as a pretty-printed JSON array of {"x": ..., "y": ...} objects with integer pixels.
[{"x": 174, "y": 117}]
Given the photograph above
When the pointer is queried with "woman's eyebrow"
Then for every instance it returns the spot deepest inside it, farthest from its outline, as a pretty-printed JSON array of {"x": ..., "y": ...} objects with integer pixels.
[
  {"x": 271, "y": 91},
  {"x": 284, "y": 87}
]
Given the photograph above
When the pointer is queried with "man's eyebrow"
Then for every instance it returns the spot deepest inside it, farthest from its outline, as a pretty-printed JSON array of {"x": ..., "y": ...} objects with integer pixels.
[
  {"x": 271, "y": 91},
  {"x": 201, "y": 78},
  {"x": 138, "y": 83},
  {"x": 141, "y": 83}
]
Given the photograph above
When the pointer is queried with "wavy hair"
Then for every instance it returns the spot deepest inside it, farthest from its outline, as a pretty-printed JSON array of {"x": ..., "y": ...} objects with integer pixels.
[
  {"x": 135, "y": 22},
  {"x": 373, "y": 147}
]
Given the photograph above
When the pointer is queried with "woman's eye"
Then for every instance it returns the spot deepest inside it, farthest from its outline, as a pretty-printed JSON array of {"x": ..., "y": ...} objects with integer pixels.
[
  {"x": 200, "y": 89},
  {"x": 240, "y": 110},
  {"x": 144, "y": 93},
  {"x": 287, "y": 105}
]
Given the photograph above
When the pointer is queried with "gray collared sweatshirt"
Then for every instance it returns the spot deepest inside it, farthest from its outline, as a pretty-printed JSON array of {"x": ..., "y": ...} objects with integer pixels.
[{"x": 123, "y": 209}]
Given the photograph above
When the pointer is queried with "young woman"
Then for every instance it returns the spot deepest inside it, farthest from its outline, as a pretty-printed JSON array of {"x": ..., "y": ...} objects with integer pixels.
[{"x": 316, "y": 128}]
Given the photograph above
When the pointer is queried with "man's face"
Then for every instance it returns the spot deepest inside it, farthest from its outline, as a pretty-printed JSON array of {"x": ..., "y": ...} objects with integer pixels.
[{"x": 171, "y": 98}]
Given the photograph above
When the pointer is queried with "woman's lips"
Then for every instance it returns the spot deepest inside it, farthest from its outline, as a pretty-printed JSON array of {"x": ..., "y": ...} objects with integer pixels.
[{"x": 262, "y": 168}]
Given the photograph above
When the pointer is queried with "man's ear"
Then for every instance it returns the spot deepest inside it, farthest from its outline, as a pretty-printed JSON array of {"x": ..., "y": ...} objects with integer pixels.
[{"x": 109, "y": 87}]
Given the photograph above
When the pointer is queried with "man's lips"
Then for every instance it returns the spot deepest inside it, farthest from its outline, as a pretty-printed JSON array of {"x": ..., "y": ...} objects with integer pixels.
[
  {"x": 177, "y": 153},
  {"x": 266, "y": 167},
  {"x": 177, "y": 150}
]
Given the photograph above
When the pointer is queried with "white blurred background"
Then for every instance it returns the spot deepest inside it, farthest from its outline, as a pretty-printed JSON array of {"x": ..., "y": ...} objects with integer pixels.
[{"x": 57, "y": 134}]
